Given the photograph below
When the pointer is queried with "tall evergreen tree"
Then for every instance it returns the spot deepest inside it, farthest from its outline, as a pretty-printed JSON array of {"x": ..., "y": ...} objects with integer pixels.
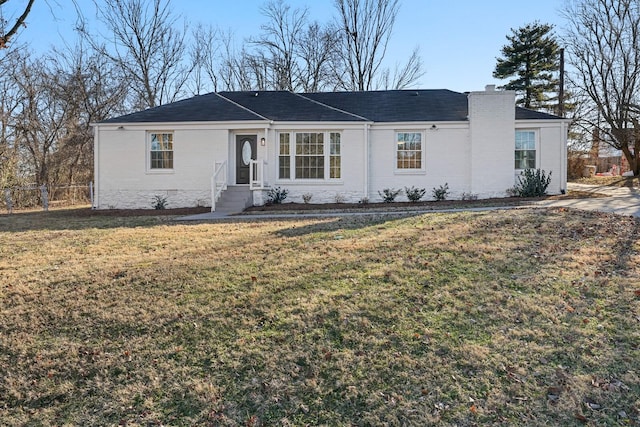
[{"x": 531, "y": 57}]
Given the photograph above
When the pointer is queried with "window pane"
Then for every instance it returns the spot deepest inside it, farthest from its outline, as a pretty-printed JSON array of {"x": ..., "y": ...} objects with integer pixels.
[
  {"x": 309, "y": 155},
  {"x": 409, "y": 150},
  {"x": 285, "y": 167},
  {"x": 161, "y": 151},
  {"x": 525, "y": 150},
  {"x": 334, "y": 149},
  {"x": 284, "y": 159}
]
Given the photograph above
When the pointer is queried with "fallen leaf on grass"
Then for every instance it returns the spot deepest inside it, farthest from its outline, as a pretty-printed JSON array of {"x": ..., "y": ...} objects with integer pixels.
[
  {"x": 473, "y": 409},
  {"x": 637, "y": 292},
  {"x": 581, "y": 417},
  {"x": 252, "y": 421}
]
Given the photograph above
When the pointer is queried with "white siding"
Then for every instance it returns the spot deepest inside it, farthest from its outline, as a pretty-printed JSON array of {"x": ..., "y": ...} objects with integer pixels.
[
  {"x": 473, "y": 157},
  {"x": 446, "y": 154},
  {"x": 125, "y": 182},
  {"x": 492, "y": 133}
]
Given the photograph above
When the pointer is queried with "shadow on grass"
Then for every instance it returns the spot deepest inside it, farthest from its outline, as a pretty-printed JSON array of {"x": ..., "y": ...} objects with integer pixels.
[
  {"x": 352, "y": 222},
  {"x": 86, "y": 218}
]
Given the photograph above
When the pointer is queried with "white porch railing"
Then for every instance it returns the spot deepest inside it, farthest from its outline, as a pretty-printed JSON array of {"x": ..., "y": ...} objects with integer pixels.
[
  {"x": 256, "y": 174},
  {"x": 218, "y": 182}
]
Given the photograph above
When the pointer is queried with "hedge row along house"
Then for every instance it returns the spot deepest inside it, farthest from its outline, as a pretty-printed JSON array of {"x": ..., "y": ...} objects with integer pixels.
[{"x": 343, "y": 146}]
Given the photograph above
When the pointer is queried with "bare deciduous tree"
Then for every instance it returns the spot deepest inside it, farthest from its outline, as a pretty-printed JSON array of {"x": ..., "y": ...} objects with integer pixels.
[
  {"x": 404, "y": 76},
  {"x": 205, "y": 54},
  {"x": 604, "y": 43},
  {"x": 94, "y": 90},
  {"x": 145, "y": 41},
  {"x": 5, "y": 35},
  {"x": 51, "y": 102},
  {"x": 9, "y": 103},
  {"x": 289, "y": 54},
  {"x": 365, "y": 27},
  {"x": 318, "y": 52},
  {"x": 278, "y": 43},
  {"x": 39, "y": 120}
]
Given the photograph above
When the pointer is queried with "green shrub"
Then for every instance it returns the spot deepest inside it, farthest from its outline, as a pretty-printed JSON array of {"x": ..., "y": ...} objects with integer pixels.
[
  {"x": 389, "y": 194},
  {"x": 532, "y": 183},
  {"x": 276, "y": 195},
  {"x": 414, "y": 194},
  {"x": 441, "y": 192},
  {"x": 159, "y": 202}
]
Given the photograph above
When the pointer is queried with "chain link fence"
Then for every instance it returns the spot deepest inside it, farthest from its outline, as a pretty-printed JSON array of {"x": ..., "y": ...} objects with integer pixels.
[{"x": 45, "y": 196}]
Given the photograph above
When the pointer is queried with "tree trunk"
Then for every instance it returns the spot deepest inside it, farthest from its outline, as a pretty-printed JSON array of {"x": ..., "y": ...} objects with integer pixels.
[{"x": 632, "y": 158}]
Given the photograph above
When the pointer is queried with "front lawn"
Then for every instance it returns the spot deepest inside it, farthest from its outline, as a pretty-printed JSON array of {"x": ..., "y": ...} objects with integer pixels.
[{"x": 519, "y": 317}]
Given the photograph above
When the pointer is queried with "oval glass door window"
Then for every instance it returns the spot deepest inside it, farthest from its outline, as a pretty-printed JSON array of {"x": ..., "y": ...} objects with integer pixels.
[{"x": 246, "y": 152}]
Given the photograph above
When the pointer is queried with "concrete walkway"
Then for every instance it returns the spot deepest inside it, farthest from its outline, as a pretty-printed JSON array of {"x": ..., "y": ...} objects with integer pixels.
[{"x": 620, "y": 200}]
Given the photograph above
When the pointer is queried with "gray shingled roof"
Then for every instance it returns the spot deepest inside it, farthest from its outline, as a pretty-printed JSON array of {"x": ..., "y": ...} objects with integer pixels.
[
  {"x": 399, "y": 105},
  {"x": 287, "y": 106},
  {"x": 526, "y": 114},
  {"x": 202, "y": 108},
  {"x": 390, "y": 106}
]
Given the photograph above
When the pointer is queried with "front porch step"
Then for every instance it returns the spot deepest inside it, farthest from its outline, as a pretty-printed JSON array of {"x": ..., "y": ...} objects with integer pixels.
[{"x": 234, "y": 199}]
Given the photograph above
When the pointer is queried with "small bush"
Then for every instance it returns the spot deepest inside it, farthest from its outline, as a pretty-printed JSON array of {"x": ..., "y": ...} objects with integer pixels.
[
  {"x": 159, "y": 202},
  {"x": 389, "y": 194},
  {"x": 512, "y": 192},
  {"x": 364, "y": 201},
  {"x": 469, "y": 196},
  {"x": 276, "y": 195},
  {"x": 339, "y": 198},
  {"x": 306, "y": 198},
  {"x": 414, "y": 194},
  {"x": 441, "y": 192},
  {"x": 532, "y": 183}
]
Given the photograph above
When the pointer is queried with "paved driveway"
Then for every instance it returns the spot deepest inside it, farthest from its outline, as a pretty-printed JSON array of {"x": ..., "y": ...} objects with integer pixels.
[{"x": 621, "y": 200}]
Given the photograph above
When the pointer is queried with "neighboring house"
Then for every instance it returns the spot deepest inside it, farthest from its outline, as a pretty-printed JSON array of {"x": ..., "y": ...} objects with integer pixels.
[{"x": 343, "y": 146}]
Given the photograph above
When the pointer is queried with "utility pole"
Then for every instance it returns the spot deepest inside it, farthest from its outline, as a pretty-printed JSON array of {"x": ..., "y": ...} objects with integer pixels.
[{"x": 561, "y": 84}]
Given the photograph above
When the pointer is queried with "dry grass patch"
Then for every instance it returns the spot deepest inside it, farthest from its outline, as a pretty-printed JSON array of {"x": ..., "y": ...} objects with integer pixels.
[
  {"x": 611, "y": 181},
  {"x": 515, "y": 317}
]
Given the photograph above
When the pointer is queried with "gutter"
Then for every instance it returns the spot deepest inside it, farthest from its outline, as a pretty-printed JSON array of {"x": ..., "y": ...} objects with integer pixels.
[{"x": 366, "y": 132}]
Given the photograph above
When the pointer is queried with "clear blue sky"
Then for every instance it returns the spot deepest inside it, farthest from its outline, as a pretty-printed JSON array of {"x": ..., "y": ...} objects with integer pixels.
[{"x": 459, "y": 39}]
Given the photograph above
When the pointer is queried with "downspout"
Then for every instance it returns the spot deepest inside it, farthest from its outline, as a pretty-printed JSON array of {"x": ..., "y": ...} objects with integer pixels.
[
  {"x": 96, "y": 167},
  {"x": 266, "y": 174},
  {"x": 366, "y": 159}
]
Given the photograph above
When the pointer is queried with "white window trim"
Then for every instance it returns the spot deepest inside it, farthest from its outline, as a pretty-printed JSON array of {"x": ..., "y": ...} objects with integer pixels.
[
  {"x": 147, "y": 153},
  {"x": 326, "y": 153},
  {"x": 537, "y": 148},
  {"x": 423, "y": 169}
]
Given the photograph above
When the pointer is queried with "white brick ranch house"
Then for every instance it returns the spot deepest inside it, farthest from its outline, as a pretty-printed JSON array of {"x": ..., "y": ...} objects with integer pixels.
[{"x": 346, "y": 145}]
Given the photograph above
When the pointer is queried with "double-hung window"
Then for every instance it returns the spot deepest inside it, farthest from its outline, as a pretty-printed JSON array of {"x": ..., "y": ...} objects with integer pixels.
[
  {"x": 409, "y": 151},
  {"x": 160, "y": 150},
  {"x": 309, "y": 155},
  {"x": 525, "y": 153}
]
